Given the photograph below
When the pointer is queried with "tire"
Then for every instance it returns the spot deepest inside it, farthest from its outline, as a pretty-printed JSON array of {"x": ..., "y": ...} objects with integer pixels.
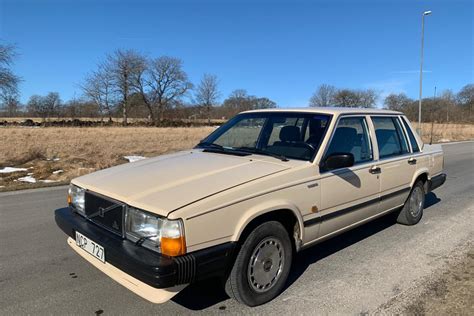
[
  {"x": 412, "y": 210},
  {"x": 262, "y": 265}
]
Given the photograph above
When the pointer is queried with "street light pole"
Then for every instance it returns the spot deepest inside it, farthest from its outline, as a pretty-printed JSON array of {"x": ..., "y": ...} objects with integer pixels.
[{"x": 421, "y": 68}]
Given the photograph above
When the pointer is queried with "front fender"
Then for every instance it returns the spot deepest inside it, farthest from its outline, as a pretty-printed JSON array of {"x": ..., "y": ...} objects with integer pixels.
[{"x": 266, "y": 207}]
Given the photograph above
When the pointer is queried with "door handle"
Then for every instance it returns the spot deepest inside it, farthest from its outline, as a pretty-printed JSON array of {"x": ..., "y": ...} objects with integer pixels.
[
  {"x": 412, "y": 161},
  {"x": 375, "y": 170}
]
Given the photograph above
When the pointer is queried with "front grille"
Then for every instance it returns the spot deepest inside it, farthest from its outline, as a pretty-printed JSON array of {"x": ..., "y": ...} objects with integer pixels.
[{"x": 105, "y": 212}]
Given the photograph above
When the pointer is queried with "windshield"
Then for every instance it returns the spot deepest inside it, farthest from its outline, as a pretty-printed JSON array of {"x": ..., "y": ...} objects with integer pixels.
[{"x": 284, "y": 135}]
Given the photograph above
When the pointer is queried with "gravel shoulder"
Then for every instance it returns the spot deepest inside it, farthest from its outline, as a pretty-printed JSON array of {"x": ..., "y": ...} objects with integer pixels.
[{"x": 448, "y": 291}]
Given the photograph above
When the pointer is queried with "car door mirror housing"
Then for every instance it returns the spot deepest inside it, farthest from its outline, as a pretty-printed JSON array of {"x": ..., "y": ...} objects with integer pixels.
[{"x": 337, "y": 161}]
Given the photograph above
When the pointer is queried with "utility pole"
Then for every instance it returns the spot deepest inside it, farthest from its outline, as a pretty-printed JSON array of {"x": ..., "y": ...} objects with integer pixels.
[
  {"x": 421, "y": 68},
  {"x": 431, "y": 116}
]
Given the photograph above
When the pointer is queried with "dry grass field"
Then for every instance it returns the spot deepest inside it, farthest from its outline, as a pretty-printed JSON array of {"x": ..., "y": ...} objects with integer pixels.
[
  {"x": 78, "y": 151},
  {"x": 55, "y": 155},
  {"x": 446, "y": 132}
]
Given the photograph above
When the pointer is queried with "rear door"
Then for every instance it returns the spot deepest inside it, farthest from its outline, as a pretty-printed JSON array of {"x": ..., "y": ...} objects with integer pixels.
[
  {"x": 396, "y": 164},
  {"x": 349, "y": 195}
]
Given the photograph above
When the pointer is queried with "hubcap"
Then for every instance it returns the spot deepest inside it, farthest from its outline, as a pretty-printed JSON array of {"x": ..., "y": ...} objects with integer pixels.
[
  {"x": 416, "y": 201},
  {"x": 266, "y": 264}
]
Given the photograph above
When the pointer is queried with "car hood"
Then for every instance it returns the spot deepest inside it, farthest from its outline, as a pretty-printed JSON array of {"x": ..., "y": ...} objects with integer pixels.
[{"x": 166, "y": 183}]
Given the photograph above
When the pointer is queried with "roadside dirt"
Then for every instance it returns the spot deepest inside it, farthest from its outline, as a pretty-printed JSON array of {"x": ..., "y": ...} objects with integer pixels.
[{"x": 450, "y": 291}]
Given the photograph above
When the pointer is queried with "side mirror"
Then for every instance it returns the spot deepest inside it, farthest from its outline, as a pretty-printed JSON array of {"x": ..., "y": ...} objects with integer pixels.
[{"x": 338, "y": 160}]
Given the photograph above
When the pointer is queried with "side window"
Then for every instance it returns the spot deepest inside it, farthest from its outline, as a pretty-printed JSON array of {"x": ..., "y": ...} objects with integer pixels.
[
  {"x": 390, "y": 137},
  {"x": 414, "y": 143},
  {"x": 352, "y": 136}
]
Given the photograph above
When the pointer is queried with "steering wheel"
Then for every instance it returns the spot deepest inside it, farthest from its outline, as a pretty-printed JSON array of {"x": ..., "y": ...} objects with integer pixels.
[{"x": 310, "y": 146}]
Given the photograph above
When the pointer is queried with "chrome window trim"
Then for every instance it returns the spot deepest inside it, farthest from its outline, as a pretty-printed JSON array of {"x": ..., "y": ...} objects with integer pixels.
[
  {"x": 406, "y": 124},
  {"x": 407, "y": 142},
  {"x": 342, "y": 116}
]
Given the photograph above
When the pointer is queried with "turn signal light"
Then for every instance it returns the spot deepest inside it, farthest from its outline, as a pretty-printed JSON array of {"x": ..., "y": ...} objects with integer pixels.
[{"x": 173, "y": 246}]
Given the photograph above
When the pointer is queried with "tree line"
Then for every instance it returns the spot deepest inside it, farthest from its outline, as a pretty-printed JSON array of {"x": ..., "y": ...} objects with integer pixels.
[
  {"x": 127, "y": 84},
  {"x": 447, "y": 107}
]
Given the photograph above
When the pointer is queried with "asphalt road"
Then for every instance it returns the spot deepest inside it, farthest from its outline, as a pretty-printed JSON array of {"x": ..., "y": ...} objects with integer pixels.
[{"x": 356, "y": 272}]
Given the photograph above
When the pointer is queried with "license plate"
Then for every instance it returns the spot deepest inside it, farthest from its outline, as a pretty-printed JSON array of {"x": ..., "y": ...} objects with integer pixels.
[{"x": 90, "y": 246}]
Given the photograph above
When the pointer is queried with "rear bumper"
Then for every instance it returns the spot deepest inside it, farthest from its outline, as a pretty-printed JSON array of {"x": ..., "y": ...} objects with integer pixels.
[
  {"x": 437, "y": 181},
  {"x": 144, "y": 265}
]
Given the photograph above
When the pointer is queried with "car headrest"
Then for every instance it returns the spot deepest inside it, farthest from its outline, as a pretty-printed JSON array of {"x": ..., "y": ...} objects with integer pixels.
[
  {"x": 290, "y": 134},
  {"x": 347, "y": 133}
]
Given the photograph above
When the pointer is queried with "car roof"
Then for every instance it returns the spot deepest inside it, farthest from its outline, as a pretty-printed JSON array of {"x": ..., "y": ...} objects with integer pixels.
[{"x": 329, "y": 110}]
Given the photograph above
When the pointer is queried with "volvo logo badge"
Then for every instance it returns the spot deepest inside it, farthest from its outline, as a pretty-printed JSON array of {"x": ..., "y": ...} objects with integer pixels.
[{"x": 101, "y": 211}]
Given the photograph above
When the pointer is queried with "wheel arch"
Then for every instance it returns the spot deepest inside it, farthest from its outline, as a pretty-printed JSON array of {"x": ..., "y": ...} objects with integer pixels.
[
  {"x": 422, "y": 174},
  {"x": 284, "y": 212}
]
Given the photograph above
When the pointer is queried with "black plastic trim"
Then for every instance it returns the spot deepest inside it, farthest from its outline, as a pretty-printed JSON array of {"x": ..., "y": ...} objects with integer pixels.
[
  {"x": 150, "y": 267},
  {"x": 325, "y": 217},
  {"x": 437, "y": 181}
]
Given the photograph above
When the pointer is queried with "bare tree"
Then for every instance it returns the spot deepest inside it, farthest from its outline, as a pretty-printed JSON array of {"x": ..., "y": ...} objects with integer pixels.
[
  {"x": 45, "y": 106},
  {"x": 52, "y": 103},
  {"x": 99, "y": 88},
  {"x": 466, "y": 99},
  {"x": 239, "y": 101},
  {"x": 397, "y": 102},
  {"x": 8, "y": 80},
  {"x": 162, "y": 85},
  {"x": 367, "y": 98},
  {"x": 263, "y": 103},
  {"x": 124, "y": 66},
  {"x": 207, "y": 94},
  {"x": 11, "y": 105},
  {"x": 355, "y": 98},
  {"x": 449, "y": 100},
  {"x": 323, "y": 96}
]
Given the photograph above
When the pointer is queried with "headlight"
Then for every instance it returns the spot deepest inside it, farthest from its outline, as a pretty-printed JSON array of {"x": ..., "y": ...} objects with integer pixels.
[
  {"x": 76, "y": 199},
  {"x": 156, "y": 233}
]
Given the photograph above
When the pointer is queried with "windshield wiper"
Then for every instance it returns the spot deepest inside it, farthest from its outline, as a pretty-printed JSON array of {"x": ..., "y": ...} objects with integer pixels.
[
  {"x": 262, "y": 152},
  {"x": 210, "y": 145},
  {"x": 216, "y": 148}
]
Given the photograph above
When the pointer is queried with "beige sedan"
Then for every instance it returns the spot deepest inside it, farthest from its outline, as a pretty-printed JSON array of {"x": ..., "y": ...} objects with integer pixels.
[{"x": 238, "y": 206}]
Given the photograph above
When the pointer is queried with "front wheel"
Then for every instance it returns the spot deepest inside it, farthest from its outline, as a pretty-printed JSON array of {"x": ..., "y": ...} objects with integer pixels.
[
  {"x": 412, "y": 211},
  {"x": 262, "y": 265}
]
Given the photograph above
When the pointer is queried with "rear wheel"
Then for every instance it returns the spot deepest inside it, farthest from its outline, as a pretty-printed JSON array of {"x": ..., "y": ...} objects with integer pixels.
[
  {"x": 262, "y": 265},
  {"x": 412, "y": 211}
]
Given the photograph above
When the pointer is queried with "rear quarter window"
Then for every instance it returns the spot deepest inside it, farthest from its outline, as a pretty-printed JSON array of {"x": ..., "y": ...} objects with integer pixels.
[{"x": 411, "y": 136}]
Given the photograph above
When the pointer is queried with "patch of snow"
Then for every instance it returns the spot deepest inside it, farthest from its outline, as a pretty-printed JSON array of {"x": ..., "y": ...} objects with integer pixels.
[
  {"x": 2, "y": 186},
  {"x": 11, "y": 169},
  {"x": 52, "y": 159},
  {"x": 134, "y": 158},
  {"x": 48, "y": 181},
  {"x": 444, "y": 140},
  {"x": 58, "y": 171},
  {"x": 29, "y": 174},
  {"x": 28, "y": 179}
]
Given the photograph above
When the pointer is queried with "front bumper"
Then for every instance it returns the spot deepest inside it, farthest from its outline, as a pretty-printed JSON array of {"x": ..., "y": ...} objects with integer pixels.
[{"x": 149, "y": 267}]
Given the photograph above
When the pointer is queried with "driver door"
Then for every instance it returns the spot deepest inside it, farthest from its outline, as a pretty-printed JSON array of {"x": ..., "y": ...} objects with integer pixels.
[{"x": 349, "y": 195}]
